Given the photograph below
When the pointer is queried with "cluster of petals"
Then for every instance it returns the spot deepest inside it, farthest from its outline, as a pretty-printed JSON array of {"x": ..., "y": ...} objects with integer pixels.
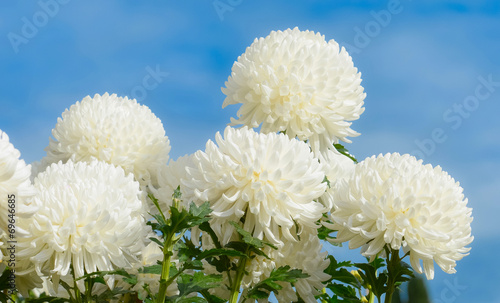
[
  {"x": 15, "y": 182},
  {"x": 269, "y": 179},
  {"x": 296, "y": 81},
  {"x": 89, "y": 218},
  {"x": 15, "y": 190},
  {"x": 397, "y": 201},
  {"x": 112, "y": 129}
]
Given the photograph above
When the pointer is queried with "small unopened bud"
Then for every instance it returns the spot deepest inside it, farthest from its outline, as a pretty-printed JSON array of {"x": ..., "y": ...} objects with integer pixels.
[{"x": 356, "y": 275}]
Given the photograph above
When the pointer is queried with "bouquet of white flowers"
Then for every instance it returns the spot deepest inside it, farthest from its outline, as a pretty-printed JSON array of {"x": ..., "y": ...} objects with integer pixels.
[{"x": 105, "y": 216}]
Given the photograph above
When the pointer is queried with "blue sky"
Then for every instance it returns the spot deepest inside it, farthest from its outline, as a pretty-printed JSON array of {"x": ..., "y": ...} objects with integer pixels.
[{"x": 430, "y": 69}]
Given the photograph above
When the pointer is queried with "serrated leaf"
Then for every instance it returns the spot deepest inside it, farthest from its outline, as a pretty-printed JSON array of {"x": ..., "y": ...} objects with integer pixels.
[
  {"x": 197, "y": 282},
  {"x": 201, "y": 212},
  {"x": 344, "y": 291},
  {"x": 282, "y": 274},
  {"x": 402, "y": 273},
  {"x": 344, "y": 276},
  {"x": 369, "y": 275},
  {"x": 249, "y": 239},
  {"x": 378, "y": 263},
  {"x": 182, "y": 220}
]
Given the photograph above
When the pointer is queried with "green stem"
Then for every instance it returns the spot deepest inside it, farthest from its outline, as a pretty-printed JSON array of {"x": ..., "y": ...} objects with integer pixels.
[
  {"x": 165, "y": 270},
  {"x": 371, "y": 297},
  {"x": 393, "y": 261},
  {"x": 240, "y": 273},
  {"x": 323, "y": 291},
  {"x": 88, "y": 290},
  {"x": 78, "y": 294}
]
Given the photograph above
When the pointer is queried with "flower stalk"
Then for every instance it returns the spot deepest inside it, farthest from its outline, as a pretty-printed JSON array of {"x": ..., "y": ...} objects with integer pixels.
[
  {"x": 165, "y": 272},
  {"x": 240, "y": 273},
  {"x": 393, "y": 263}
]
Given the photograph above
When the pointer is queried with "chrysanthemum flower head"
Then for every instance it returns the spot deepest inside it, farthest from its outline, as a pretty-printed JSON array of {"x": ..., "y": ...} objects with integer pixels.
[
  {"x": 270, "y": 179},
  {"x": 15, "y": 182},
  {"x": 15, "y": 191},
  {"x": 296, "y": 81},
  {"x": 114, "y": 130},
  {"x": 397, "y": 201},
  {"x": 89, "y": 218}
]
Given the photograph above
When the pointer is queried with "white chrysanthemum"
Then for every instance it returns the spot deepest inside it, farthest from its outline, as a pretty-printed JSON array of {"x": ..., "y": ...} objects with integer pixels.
[
  {"x": 168, "y": 179},
  {"x": 337, "y": 167},
  {"x": 296, "y": 81},
  {"x": 90, "y": 218},
  {"x": 271, "y": 179},
  {"x": 396, "y": 200},
  {"x": 15, "y": 183},
  {"x": 305, "y": 255},
  {"x": 114, "y": 130}
]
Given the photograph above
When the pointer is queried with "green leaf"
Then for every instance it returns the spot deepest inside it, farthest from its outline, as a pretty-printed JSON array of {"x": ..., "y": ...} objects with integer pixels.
[
  {"x": 205, "y": 226},
  {"x": 348, "y": 293},
  {"x": 157, "y": 241},
  {"x": 160, "y": 225},
  {"x": 188, "y": 255},
  {"x": 402, "y": 273},
  {"x": 217, "y": 252},
  {"x": 155, "y": 202},
  {"x": 211, "y": 298},
  {"x": 341, "y": 149},
  {"x": 152, "y": 269},
  {"x": 198, "y": 282},
  {"x": 283, "y": 274},
  {"x": 369, "y": 275},
  {"x": 249, "y": 239},
  {"x": 324, "y": 233},
  {"x": 182, "y": 220},
  {"x": 339, "y": 273},
  {"x": 377, "y": 262}
]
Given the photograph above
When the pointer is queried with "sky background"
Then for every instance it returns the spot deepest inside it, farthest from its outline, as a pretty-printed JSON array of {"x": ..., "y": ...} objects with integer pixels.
[{"x": 430, "y": 69}]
